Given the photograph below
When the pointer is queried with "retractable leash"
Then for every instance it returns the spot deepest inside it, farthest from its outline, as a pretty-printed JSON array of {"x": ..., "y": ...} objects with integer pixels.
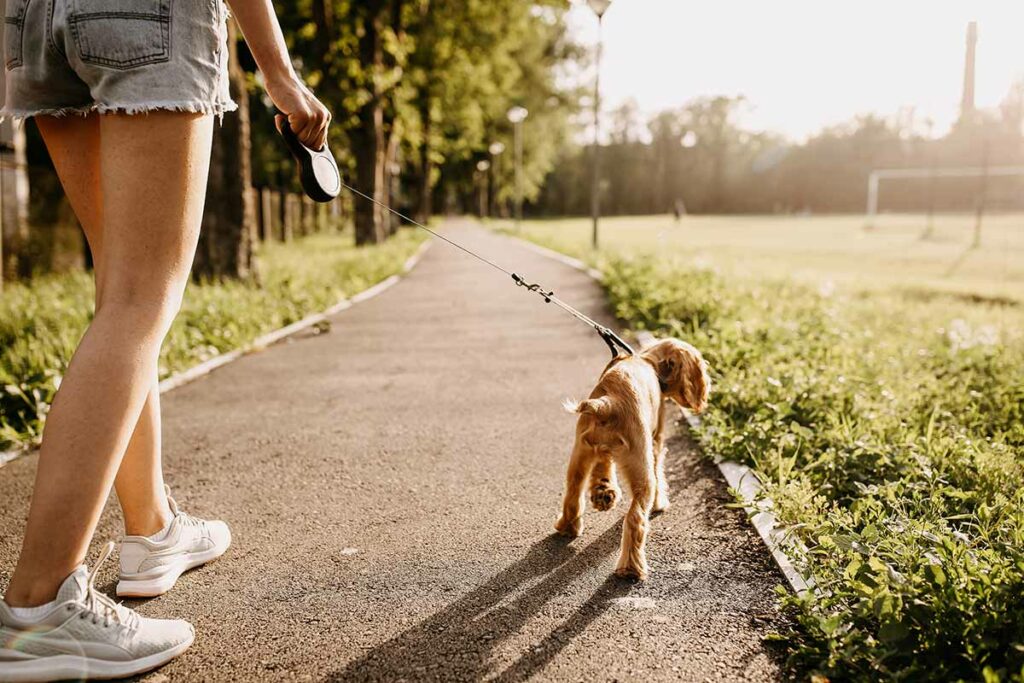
[
  {"x": 318, "y": 171},
  {"x": 321, "y": 181}
]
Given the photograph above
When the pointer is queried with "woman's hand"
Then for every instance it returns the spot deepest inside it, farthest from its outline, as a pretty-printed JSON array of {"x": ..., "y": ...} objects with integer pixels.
[{"x": 307, "y": 116}]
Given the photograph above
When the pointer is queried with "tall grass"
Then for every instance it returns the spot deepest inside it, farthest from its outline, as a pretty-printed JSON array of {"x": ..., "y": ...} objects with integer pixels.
[
  {"x": 889, "y": 430},
  {"x": 42, "y": 321}
]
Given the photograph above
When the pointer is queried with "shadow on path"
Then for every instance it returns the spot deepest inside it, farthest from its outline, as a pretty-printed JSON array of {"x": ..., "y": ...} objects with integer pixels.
[{"x": 455, "y": 643}]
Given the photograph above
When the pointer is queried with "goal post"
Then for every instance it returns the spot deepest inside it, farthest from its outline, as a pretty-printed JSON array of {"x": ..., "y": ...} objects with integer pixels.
[{"x": 878, "y": 175}]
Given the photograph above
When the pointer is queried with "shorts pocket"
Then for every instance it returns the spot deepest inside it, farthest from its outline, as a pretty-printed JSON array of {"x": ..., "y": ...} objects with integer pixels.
[
  {"x": 14, "y": 32},
  {"x": 121, "y": 34}
]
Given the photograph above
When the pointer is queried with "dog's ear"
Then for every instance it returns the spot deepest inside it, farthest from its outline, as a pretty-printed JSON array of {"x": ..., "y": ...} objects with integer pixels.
[
  {"x": 664, "y": 358},
  {"x": 696, "y": 384},
  {"x": 667, "y": 369}
]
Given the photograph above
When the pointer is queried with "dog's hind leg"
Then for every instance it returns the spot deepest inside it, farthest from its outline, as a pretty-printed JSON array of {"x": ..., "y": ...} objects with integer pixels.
[
  {"x": 604, "y": 488},
  {"x": 570, "y": 522},
  {"x": 661, "y": 502},
  {"x": 638, "y": 471}
]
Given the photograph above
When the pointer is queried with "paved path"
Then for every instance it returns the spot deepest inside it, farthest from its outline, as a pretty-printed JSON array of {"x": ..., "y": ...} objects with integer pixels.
[{"x": 392, "y": 485}]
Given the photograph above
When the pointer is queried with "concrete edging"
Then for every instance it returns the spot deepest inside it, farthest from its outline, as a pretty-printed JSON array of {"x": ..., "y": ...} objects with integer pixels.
[
  {"x": 739, "y": 477},
  {"x": 206, "y": 367}
]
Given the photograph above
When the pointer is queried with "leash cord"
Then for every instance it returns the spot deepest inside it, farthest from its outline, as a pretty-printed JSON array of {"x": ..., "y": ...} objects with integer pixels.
[{"x": 613, "y": 340}]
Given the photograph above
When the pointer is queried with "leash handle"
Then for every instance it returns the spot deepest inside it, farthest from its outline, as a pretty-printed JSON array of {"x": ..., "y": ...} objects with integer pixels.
[{"x": 318, "y": 171}]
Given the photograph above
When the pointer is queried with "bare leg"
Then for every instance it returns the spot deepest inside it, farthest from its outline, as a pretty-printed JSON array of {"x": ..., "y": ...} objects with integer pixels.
[
  {"x": 140, "y": 479},
  {"x": 570, "y": 522},
  {"x": 638, "y": 471},
  {"x": 604, "y": 487},
  {"x": 153, "y": 178},
  {"x": 74, "y": 146}
]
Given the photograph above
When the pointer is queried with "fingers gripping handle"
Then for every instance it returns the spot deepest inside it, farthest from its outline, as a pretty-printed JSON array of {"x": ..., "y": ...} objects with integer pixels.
[{"x": 318, "y": 171}]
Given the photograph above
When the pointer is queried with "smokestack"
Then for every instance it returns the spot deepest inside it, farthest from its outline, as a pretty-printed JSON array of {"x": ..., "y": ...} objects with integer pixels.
[{"x": 967, "y": 103}]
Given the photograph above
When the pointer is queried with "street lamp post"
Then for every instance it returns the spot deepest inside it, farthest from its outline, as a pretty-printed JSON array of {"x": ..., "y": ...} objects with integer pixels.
[
  {"x": 482, "y": 167},
  {"x": 599, "y": 7},
  {"x": 495, "y": 149},
  {"x": 517, "y": 115}
]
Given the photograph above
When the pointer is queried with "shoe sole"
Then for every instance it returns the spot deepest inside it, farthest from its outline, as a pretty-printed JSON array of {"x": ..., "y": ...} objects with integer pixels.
[
  {"x": 64, "y": 667},
  {"x": 151, "y": 588}
]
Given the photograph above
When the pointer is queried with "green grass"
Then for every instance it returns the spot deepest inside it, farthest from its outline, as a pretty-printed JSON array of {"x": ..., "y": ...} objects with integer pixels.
[
  {"x": 887, "y": 424},
  {"x": 42, "y": 321},
  {"x": 824, "y": 251}
]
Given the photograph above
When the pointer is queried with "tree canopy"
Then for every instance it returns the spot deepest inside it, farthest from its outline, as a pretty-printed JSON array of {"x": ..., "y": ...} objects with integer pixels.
[{"x": 420, "y": 90}]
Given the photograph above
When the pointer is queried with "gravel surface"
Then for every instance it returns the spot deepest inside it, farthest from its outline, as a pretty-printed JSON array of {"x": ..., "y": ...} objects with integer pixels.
[{"x": 392, "y": 486}]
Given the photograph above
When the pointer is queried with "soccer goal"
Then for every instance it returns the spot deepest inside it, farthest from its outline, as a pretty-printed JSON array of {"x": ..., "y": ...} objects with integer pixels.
[{"x": 878, "y": 175}]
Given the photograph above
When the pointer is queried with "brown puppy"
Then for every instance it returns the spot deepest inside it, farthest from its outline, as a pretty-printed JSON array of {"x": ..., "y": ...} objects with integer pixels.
[{"x": 621, "y": 428}]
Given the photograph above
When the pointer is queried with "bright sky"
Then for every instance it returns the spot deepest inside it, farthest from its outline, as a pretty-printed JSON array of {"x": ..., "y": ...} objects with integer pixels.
[{"x": 806, "y": 64}]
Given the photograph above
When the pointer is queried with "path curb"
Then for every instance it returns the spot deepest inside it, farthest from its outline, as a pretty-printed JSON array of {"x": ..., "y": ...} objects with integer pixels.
[
  {"x": 743, "y": 480},
  {"x": 206, "y": 367}
]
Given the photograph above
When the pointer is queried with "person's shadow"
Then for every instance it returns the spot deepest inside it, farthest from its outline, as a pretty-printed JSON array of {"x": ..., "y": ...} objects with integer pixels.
[{"x": 456, "y": 643}]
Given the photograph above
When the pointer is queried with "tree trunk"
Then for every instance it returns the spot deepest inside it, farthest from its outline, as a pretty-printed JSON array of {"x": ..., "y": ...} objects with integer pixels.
[
  {"x": 392, "y": 178},
  {"x": 424, "y": 193},
  {"x": 368, "y": 143},
  {"x": 14, "y": 199},
  {"x": 229, "y": 222}
]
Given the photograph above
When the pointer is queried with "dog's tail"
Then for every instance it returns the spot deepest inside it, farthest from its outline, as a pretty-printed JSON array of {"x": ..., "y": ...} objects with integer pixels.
[{"x": 601, "y": 408}]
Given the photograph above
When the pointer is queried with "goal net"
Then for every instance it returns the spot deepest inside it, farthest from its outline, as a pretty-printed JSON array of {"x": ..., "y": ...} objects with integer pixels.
[{"x": 984, "y": 192}]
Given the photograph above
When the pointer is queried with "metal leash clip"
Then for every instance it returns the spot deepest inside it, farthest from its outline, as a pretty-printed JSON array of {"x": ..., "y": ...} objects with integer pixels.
[
  {"x": 534, "y": 287},
  {"x": 614, "y": 341}
]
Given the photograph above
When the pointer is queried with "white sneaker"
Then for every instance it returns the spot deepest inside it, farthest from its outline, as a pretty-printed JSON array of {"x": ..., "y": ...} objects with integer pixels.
[
  {"x": 152, "y": 567},
  {"x": 84, "y": 635}
]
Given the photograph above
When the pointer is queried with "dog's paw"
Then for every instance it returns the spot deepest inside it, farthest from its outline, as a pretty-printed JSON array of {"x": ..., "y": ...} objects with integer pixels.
[
  {"x": 604, "y": 496},
  {"x": 633, "y": 574},
  {"x": 571, "y": 528},
  {"x": 661, "y": 503}
]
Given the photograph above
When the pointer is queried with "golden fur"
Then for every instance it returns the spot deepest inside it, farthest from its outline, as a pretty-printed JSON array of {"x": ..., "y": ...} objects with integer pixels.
[{"x": 620, "y": 429}]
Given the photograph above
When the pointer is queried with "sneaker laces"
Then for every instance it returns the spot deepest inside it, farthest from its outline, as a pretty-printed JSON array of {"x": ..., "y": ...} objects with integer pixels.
[
  {"x": 102, "y": 607},
  {"x": 181, "y": 516}
]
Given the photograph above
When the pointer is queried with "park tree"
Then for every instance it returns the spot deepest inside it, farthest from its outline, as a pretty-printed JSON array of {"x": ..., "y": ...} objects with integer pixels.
[
  {"x": 228, "y": 234},
  {"x": 494, "y": 55},
  {"x": 422, "y": 87},
  {"x": 353, "y": 54}
]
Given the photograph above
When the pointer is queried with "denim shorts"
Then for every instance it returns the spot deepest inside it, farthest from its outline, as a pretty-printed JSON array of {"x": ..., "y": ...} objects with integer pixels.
[{"x": 130, "y": 56}]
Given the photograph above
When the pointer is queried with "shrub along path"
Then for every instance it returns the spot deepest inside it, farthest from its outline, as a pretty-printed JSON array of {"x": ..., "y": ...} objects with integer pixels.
[{"x": 392, "y": 486}]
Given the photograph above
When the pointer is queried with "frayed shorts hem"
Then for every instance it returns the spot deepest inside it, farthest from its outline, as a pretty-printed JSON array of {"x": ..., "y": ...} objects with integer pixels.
[
  {"x": 218, "y": 109},
  {"x": 17, "y": 113}
]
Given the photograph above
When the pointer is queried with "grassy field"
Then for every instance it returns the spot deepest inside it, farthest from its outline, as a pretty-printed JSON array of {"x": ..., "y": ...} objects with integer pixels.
[
  {"x": 42, "y": 321},
  {"x": 823, "y": 251},
  {"x": 883, "y": 408}
]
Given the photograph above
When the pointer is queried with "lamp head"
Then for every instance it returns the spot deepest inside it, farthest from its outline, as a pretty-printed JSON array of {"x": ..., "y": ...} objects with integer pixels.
[
  {"x": 517, "y": 114},
  {"x": 599, "y": 6}
]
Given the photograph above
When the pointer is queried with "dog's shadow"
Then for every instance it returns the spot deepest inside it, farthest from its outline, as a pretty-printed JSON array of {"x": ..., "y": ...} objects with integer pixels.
[{"x": 457, "y": 642}]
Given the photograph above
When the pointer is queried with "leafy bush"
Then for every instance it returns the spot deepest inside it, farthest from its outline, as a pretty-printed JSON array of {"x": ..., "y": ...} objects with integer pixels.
[{"x": 42, "y": 321}]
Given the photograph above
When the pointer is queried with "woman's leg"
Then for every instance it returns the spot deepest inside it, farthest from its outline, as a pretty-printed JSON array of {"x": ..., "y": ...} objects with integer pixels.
[
  {"x": 74, "y": 146},
  {"x": 140, "y": 480},
  {"x": 153, "y": 171}
]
